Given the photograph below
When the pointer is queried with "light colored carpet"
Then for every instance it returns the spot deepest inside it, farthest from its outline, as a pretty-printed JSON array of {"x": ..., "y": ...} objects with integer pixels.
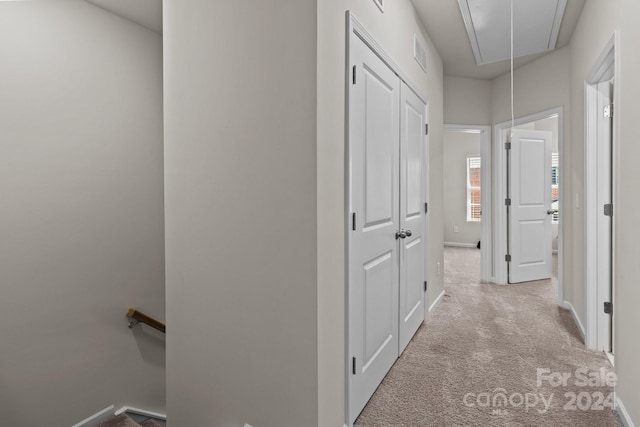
[{"x": 484, "y": 340}]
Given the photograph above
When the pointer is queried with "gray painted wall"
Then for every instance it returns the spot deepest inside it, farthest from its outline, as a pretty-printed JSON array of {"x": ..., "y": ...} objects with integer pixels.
[
  {"x": 457, "y": 147},
  {"x": 81, "y": 218},
  {"x": 467, "y": 101},
  {"x": 240, "y": 150}
]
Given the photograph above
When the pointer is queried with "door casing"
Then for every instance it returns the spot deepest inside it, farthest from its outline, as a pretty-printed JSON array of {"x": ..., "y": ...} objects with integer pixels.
[
  {"x": 486, "y": 189},
  {"x": 604, "y": 69},
  {"x": 499, "y": 235}
]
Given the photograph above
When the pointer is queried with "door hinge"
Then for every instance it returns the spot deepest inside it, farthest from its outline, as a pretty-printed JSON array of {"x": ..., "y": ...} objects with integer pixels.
[
  {"x": 426, "y": 207},
  {"x": 426, "y": 129},
  {"x": 353, "y": 221},
  {"x": 353, "y": 365},
  {"x": 608, "y": 111},
  {"x": 354, "y": 75},
  {"x": 507, "y": 258},
  {"x": 507, "y": 202},
  {"x": 507, "y": 145},
  {"x": 425, "y": 286},
  {"x": 608, "y": 209},
  {"x": 608, "y": 308}
]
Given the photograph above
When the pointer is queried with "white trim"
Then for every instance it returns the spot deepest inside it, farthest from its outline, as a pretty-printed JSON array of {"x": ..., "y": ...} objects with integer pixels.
[
  {"x": 95, "y": 418},
  {"x": 499, "y": 217},
  {"x": 380, "y": 4},
  {"x": 354, "y": 26},
  {"x": 468, "y": 25},
  {"x": 436, "y": 303},
  {"x": 611, "y": 358},
  {"x": 136, "y": 411},
  {"x": 461, "y": 245},
  {"x": 604, "y": 68},
  {"x": 576, "y": 319},
  {"x": 624, "y": 415},
  {"x": 473, "y": 40},
  {"x": 486, "y": 268}
]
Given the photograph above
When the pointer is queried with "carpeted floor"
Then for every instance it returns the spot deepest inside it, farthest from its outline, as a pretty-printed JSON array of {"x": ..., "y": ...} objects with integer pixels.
[{"x": 475, "y": 361}]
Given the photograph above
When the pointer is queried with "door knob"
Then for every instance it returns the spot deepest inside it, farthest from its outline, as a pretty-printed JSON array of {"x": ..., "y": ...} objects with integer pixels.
[
  {"x": 408, "y": 233},
  {"x": 551, "y": 211},
  {"x": 401, "y": 234}
]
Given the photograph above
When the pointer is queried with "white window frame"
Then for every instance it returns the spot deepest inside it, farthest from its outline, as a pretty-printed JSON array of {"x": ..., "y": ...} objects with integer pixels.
[
  {"x": 476, "y": 162},
  {"x": 555, "y": 164}
]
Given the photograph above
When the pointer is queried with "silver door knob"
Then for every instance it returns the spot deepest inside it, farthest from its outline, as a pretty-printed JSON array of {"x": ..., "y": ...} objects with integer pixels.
[
  {"x": 401, "y": 234},
  {"x": 551, "y": 211},
  {"x": 408, "y": 233}
]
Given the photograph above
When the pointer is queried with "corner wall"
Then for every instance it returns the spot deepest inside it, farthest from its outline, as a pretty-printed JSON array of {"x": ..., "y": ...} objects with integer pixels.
[
  {"x": 240, "y": 162},
  {"x": 394, "y": 30},
  {"x": 467, "y": 101},
  {"x": 81, "y": 217}
]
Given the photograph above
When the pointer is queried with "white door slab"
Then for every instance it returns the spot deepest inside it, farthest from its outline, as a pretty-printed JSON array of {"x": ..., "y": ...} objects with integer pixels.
[
  {"x": 604, "y": 222},
  {"x": 530, "y": 230},
  {"x": 412, "y": 213},
  {"x": 374, "y": 147}
]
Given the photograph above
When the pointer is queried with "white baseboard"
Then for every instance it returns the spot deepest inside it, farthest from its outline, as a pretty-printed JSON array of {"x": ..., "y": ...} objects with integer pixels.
[
  {"x": 624, "y": 415},
  {"x": 576, "y": 319},
  {"x": 136, "y": 411},
  {"x": 435, "y": 304},
  {"x": 96, "y": 418},
  {"x": 611, "y": 358},
  {"x": 461, "y": 245}
]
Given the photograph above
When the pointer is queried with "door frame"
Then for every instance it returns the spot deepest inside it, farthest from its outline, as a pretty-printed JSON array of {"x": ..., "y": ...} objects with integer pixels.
[
  {"x": 486, "y": 260},
  {"x": 604, "y": 69},
  {"x": 500, "y": 192},
  {"x": 355, "y": 29}
]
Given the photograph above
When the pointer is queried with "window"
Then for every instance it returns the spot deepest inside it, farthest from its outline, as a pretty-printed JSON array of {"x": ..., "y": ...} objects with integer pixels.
[
  {"x": 474, "y": 206},
  {"x": 554, "y": 187}
]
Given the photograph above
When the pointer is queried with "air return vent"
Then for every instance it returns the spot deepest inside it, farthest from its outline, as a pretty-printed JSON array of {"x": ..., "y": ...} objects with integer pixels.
[{"x": 419, "y": 53}]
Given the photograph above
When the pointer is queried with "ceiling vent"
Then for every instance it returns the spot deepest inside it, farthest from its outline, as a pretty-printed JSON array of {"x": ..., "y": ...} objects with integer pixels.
[
  {"x": 419, "y": 53},
  {"x": 536, "y": 24}
]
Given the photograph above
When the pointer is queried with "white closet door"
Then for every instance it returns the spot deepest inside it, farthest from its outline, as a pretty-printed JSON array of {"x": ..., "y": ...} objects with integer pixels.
[
  {"x": 374, "y": 104},
  {"x": 530, "y": 212},
  {"x": 412, "y": 213}
]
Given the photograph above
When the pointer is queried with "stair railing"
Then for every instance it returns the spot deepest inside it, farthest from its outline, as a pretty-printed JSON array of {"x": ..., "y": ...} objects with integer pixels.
[{"x": 136, "y": 317}]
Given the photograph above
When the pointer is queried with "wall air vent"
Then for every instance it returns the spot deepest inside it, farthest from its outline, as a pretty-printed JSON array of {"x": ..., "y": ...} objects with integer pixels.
[{"x": 419, "y": 53}]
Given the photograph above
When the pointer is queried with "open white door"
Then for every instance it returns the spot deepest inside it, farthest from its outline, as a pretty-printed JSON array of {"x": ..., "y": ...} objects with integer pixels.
[
  {"x": 529, "y": 213},
  {"x": 412, "y": 214},
  {"x": 374, "y": 151},
  {"x": 604, "y": 213}
]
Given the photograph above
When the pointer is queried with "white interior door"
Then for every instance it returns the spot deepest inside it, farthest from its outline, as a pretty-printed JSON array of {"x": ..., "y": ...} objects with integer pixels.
[
  {"x": 412, "y": 213},
  {"x": 605, "y": 221},
  {"x": 374, "y": 138},
  {"x": 530, "y": 232}
]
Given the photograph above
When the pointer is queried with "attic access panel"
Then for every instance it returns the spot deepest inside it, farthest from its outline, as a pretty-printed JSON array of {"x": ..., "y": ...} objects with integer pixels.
[{"x": 488, "y": 22}]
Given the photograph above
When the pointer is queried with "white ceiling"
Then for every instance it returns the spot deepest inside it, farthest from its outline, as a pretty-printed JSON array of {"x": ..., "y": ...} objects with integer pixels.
[
  {"x": 445, "y": 26},
  {"x": 147, "y": 13}
]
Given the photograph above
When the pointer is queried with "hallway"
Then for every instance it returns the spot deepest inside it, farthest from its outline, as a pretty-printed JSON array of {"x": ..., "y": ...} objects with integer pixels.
[{"x": 484, "y": 340}]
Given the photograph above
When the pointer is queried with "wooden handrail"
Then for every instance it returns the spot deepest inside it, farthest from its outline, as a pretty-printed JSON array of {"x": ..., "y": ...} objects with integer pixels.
[{"x": 136, "y": 317}]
